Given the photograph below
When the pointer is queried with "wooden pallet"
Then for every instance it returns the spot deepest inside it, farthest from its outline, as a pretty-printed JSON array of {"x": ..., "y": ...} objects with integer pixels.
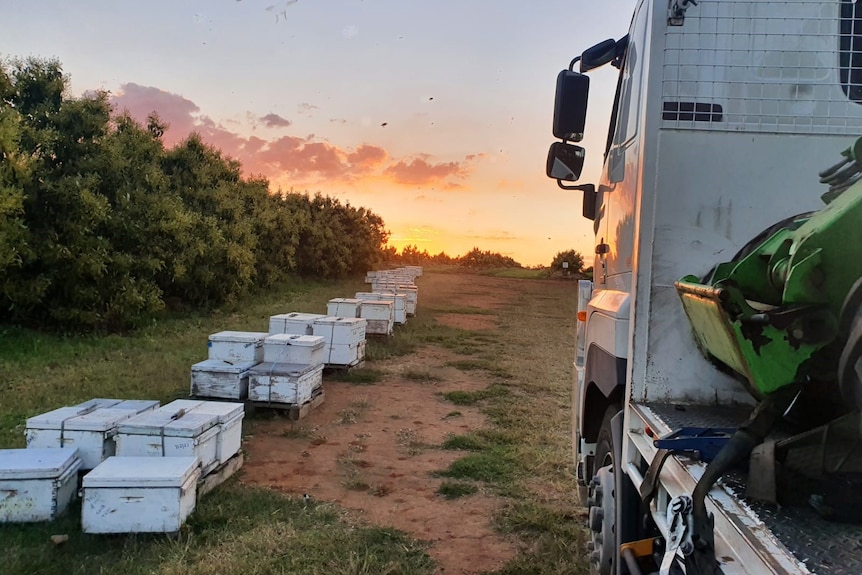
[
  {"x": 293, "y": 411},
  {"x": 220, "y": 474}
]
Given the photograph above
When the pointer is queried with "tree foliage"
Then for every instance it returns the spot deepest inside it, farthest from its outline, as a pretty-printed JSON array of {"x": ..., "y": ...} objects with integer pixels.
[
  {"x": 474, "y": 259},
  {"x": 574, "y": 259},
  {"x": 102, "y": 227}
]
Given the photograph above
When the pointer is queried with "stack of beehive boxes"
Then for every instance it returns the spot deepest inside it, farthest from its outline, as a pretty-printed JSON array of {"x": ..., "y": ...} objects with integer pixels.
[
  {"x": 91, "y": 427},
  {"x": 343, "y": 331},
  {"x": 151, "y": 485},
  {"x": 292, "y": 368},
  {"x": 398, "y": 301},
  {"x": 231, "y": 355},
  {"x": 344, "y": 339}
]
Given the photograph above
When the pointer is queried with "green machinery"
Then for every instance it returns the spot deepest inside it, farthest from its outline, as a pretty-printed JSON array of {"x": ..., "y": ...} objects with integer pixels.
[
  {"x": 783, "y": 311},
  {"x": 785, "y": 315}
]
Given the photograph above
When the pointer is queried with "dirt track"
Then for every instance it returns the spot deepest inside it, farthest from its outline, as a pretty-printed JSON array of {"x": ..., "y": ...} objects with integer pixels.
[{"x": 373, "y": 448}]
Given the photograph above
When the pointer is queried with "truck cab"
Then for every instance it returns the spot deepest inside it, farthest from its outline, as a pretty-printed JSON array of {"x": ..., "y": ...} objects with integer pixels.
[{"x": 724, "y": 113}]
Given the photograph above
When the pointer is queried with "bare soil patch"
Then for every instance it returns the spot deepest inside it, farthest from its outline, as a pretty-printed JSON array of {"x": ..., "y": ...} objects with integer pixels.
[{"x": 373, "y": 449}]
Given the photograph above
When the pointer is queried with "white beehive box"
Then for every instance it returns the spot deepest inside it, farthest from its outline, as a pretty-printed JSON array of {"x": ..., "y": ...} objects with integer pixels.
[
  {"x": 230, "y": 416},
  {"x": 93, "y": 433},
  {"x": 411, "y": 293},
  {"x": 139, "y": 495},
  {"x": 340, "y": 330},
  {"x": 222, "y": 379},
  {"x": 290, "y": 348},
  {"x": 346, "y": 355},
  {"x": 170, "y": 433},
  {"x": 236, "y": 346},
  {"x": 37, "y": 484},
  {"x": 52, "y": 429},
  {"x": 343, "y": 307},
  {"x": 284, "y": 383},
  {"x": 294, "y": 323},
  {"x": 379, "y": 316},
  {"x": 399, "y": 309}
]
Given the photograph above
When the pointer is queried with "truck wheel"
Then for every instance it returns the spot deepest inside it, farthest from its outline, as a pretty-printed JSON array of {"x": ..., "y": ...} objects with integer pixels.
[{"x": 603, "y": 544}]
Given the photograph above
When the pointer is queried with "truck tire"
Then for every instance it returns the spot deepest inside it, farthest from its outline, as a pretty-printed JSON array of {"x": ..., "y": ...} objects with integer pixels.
[{"x": 602, "y": 517}]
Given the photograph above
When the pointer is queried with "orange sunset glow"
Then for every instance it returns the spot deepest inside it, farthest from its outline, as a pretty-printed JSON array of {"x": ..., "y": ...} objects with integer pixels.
[{"x": 434, "y": 115}]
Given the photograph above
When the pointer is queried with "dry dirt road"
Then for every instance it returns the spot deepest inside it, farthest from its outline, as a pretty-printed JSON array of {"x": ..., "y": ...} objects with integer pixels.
[{"x": 373, "y": 449}]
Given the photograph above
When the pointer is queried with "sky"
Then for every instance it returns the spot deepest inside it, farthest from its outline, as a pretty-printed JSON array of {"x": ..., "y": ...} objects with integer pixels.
[{"x": 436, "y": 115}]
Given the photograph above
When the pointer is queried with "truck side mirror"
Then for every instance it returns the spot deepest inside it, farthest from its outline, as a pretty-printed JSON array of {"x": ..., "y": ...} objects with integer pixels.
[
  {"x": 565, "y": 161},
  {"x": 570, "y": 105},
  {"x": 598, "y": 55},
  {"x": 590, "y": 201},
  {"x": 608, "y": 51}
]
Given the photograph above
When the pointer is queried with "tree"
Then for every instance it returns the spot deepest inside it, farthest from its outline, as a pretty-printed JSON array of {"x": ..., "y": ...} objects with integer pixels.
[{"x": 574, "y": 259}]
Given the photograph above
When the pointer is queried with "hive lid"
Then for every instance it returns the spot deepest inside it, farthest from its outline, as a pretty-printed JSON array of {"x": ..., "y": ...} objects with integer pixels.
[
  {"x": 137, "y": 405},
  {"x": 349, "y": 321},
  {"x": 298, "y": 316},
  {"x": 372, "y": 302},
  {"x": 224, "y": 410},
  {"x": 142, "y": 472},
  {"x": 312, "y": 341},
  {"x": 170, "y": 422},
  {"x": 102, "y": 420},
  {"x": 285, "y": 369},
  {"x": 238, "y": 336},
  {"x": 221, "y": 366},
  {"x": 185, "y": 404},
  {"x": 345, "y": 300},
  {"x": 42, "y": 463},
  {"x": 98, "y": 402},
  {"x": 56, "y": 418}
]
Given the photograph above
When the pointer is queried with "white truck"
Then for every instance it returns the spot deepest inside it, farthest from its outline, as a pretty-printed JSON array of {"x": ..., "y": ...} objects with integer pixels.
[{"x": 725, "y": 111}]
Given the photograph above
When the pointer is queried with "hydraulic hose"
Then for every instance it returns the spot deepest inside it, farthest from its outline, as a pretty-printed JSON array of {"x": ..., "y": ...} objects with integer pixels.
[{"x": 737, "y": 449}]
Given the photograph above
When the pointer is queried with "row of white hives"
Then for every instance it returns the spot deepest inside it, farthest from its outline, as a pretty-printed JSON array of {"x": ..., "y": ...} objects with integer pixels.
[
  {"x": 283, "y": 366},
  {"x": 142, "y": 462}
]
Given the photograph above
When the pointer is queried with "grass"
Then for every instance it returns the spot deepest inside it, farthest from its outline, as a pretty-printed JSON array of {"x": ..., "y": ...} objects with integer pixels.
[
  {"x": 353, "y": 411},
  {"x": 456, "y": 489},
  {"x": 409, "y": 441},
  {"x": 517, "y": 273},
  {"x": 358, "y": 376},
  {"x": 523, "y": 457},
  {"x": 497, "y": 466},
  {"x": 479, "y": 440},
  {"x": 421, "y": 375},
  {"x": 460, "y": 397},
  {"x": 43, "y": 371},
  {"x": 464, "y": 309},
  {"x": 237, "y": 529},
  {"x": 299, "y": 432}
]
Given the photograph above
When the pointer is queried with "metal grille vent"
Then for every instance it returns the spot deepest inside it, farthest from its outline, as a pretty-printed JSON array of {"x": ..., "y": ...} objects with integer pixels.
[{"x": 770, "y": 66}]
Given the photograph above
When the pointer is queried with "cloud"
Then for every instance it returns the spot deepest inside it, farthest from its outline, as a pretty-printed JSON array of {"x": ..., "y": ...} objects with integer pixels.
[
  {"x": 419, "y": 171},
  {"x": 501, "y": 235},
  {"x": 275, "y": 121},
  {"x": 306, "y": 109},
  {"x": 366, "y": 157},
  {"x": 140, "y": 101},
  {"x": 305, "y": 160}
]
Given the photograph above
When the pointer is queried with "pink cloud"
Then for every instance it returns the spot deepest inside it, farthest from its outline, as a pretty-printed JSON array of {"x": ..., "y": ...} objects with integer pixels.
[
  {"x": 419, "y": 171},
  {"x": 304, "y": 159},
  {"x": 366, "y": 157},
  {"x": 141, "y": 101}
]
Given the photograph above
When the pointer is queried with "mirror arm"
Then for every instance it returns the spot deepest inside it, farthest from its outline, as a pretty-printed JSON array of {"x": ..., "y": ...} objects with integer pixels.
[
  {"x": 581, "y": 187},
  {"x": 574, "y": 61}
]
